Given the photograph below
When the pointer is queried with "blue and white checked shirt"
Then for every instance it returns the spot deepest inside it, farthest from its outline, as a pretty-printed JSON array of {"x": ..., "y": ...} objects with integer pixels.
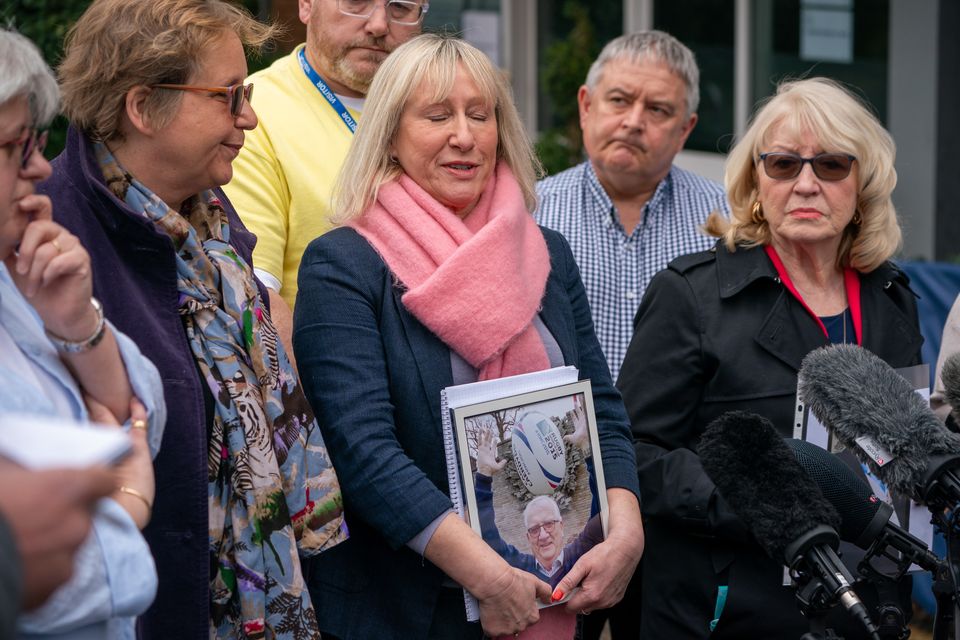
[{"x": 615, "y": 267}]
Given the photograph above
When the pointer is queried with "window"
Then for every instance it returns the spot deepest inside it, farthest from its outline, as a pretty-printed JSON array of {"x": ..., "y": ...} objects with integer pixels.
[{"x": 706, "y": 27}]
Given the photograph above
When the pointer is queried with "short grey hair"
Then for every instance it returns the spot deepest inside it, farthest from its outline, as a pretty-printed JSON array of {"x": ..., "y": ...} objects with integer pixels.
[
  {"x": 546, "y": 501},
  {"x": 23, "y": 73},
  {"x": 652, "y": 46}
]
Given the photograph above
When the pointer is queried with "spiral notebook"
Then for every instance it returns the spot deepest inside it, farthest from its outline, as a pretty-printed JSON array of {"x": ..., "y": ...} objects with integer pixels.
[{"x": 466, "y": 394}]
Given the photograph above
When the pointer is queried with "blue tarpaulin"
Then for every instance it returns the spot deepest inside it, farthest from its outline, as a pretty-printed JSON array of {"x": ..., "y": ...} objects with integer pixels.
[{"x": 937, "y": 284}]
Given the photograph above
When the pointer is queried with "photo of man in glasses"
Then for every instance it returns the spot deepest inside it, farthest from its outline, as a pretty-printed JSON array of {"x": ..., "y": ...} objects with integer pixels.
[{"x": 548, "y": 557}]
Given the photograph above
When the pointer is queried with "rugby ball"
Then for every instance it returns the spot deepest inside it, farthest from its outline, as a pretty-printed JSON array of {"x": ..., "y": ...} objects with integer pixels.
[{"x": 538, "y": 452}]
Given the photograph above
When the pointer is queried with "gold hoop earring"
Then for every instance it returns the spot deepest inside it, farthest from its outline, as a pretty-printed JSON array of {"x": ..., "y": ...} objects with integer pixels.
[
  {"x": 756, "y": 213},
  {"x": 857, "y": 218}
]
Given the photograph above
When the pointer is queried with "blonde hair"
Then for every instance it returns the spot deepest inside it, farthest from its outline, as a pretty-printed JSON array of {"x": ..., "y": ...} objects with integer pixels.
[
  {"x": 429, "y": 60},
  {"x": 841, "y": 123},
  {"x": 117, "y": 45}
]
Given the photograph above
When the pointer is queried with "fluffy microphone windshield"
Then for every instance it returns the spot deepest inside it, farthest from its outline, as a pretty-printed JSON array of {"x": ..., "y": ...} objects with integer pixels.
[
  {"x": 856, "y": 394},
  {"x": 758, "y": 476},
  {"x": 950, "y": 376}
]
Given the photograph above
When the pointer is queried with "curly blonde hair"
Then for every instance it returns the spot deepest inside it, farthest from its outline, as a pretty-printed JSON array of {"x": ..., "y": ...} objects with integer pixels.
[
  {"x": 117, "y": 45},
  {"x": 841, "y": 123}
]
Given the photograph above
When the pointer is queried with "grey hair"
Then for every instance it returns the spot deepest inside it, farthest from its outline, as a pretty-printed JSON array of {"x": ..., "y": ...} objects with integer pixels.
[
  {"x": 652, "y": 46},
  {"x": 537, "y": 501},
  {"x": 23, "y": 73}
]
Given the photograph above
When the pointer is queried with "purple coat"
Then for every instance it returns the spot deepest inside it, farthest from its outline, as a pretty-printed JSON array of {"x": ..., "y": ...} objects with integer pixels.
[{"x": 134, "y": 276}]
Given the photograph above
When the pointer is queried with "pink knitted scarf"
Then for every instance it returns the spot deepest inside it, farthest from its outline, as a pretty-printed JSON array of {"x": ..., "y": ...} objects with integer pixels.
[{"x": 475, "y": 283}]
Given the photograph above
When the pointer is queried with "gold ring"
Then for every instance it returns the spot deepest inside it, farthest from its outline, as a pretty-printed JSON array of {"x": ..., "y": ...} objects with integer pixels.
[
  {"x": 56, "y": 245},
  {"x": 139, "y": 424},
  {"x": 136, "y": 494}
]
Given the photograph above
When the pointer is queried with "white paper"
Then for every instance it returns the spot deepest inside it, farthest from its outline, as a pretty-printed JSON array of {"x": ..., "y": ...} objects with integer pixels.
[
  {"x": 475, "y": 392},
  {"x": 44, "y": 442}
]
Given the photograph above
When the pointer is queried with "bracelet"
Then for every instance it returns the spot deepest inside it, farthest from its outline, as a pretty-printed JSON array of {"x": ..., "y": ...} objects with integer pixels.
[
  {"x": 69, "y": 346},
  {"x": 136, "y": 494}
]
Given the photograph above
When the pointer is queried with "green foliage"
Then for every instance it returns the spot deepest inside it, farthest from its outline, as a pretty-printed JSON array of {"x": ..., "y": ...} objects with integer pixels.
[
  {"x": 46, "y": 23},
  {"x": 564, "y": 68}
]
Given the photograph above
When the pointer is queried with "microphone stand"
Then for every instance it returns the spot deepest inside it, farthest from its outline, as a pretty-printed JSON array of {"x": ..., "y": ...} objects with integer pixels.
[
  {"x": 814, "y": 606},
  {"x": 940, "y": 490},
  {"x": 815, "y": 632},
  {"x": 901, "y": 551},
  {"x": 945, "y": 578}
]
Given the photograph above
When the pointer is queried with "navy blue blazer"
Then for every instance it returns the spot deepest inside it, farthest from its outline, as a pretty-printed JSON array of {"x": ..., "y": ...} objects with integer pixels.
[{"x": 373, "y": 374}]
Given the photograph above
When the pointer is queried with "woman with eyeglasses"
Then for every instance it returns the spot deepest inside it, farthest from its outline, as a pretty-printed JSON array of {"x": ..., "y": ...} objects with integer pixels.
[
  {"x": 803, "y": 263},
  {"x": 245, "y": 491},
  {"x": 61, "y": 360}
]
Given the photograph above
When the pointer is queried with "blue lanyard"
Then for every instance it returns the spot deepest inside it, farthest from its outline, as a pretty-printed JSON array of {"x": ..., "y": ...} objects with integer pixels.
[{"x": 327, "y": 93}]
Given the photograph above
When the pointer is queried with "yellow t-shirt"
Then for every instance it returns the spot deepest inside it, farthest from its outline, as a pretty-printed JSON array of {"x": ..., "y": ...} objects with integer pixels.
[{"x": 283, "y": 178}]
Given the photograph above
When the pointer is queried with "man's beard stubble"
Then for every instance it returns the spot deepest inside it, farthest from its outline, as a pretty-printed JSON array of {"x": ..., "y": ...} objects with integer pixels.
[{"x": 351, "y": 76}]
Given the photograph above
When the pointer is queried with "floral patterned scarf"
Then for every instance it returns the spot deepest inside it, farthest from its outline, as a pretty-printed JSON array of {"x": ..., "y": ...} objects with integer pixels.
[{"x": 273, "y": 493}]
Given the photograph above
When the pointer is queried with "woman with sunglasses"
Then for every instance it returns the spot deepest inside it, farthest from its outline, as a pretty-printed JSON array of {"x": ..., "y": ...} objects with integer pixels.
[
  {"x": 245, "y": 491},
  {"x": 802, "y": 263}
]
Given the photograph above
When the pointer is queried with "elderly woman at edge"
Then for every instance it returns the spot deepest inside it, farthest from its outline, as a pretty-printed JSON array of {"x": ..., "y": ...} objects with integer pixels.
[
  {"x": 158, "y": 111},
  {"x": 803, "y": 263},
  {"x": 60, "y": 358},
  {"x": 439, "y": 277}
]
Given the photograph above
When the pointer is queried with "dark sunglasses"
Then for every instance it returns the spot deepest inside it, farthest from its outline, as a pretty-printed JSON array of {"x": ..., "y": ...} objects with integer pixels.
[
  {"x": 826, "y": 166},
  {"x": 237, "y": 93},
  {"x": 32, "y": 140}
]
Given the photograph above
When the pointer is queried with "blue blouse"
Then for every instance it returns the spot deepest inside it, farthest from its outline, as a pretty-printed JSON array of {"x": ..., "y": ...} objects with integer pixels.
[{"x": 114, "y": 575}]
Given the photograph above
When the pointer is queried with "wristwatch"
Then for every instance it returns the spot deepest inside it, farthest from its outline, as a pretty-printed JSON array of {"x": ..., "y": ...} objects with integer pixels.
[{"x": 69, "y": 346}]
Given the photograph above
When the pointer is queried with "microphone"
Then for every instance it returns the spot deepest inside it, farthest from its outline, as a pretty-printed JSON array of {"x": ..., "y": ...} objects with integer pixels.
[
  {"x": 871, "y": 409},
  {"x": 950, "y": 376},
  {"x": 864, "y": 518},
  {"x": 756, "y": 473}
]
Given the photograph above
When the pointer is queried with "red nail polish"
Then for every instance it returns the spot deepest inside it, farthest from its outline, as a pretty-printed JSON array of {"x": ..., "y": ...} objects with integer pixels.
[{"x": 557, "y": 596}]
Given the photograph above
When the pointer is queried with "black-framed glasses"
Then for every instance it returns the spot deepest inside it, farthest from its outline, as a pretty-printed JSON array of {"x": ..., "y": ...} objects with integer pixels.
[
  {"x": 30, "y": 141},
  {"x": 404, "y": 12},
  {"x": 547, "y": 526},
  {"x": 236, "y": 93},
  {"x": 826, "y": 166}
]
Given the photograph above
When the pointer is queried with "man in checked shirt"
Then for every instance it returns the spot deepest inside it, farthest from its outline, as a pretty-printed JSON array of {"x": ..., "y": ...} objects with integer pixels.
[{"x": 628, "y": 211}]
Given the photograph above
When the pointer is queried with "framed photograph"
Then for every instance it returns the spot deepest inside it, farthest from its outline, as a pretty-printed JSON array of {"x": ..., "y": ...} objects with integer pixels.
[{"x": 532, "y": 477}]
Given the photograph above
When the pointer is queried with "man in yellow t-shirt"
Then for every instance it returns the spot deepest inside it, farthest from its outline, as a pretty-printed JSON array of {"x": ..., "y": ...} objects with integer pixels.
[{"x": 308, "y": 103}]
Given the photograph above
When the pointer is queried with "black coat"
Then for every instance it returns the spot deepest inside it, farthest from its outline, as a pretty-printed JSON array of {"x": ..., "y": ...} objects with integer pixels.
[{"x": 716, "y": 332}]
